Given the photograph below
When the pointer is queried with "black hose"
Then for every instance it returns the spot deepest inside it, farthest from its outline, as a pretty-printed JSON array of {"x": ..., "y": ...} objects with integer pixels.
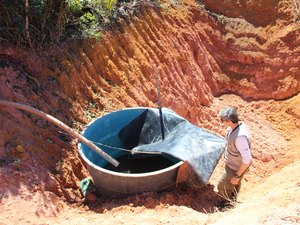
[{"x": 158, "y": 104}]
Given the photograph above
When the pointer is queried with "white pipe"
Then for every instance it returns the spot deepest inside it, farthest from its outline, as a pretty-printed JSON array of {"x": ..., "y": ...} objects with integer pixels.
[{"x": 63, "y": 126}]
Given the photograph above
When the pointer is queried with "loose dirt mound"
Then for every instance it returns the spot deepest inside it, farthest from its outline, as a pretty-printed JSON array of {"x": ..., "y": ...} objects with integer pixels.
[{"x": 205, "y": 61}]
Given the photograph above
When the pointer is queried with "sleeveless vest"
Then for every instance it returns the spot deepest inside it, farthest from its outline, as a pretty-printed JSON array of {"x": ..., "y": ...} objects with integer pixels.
[{"x": 232, "y": 155}]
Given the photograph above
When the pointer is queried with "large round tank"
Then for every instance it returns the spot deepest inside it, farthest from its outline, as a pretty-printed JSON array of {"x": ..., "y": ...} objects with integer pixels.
[{"x": 134, "y": 174}]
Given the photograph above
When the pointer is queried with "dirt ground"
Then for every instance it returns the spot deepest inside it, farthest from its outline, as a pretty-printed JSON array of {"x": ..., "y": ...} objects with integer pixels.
[{"x": 207, "y": 59}]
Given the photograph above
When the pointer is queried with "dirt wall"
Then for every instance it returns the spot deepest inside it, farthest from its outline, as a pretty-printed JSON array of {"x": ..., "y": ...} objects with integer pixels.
[{"x": 199, "y": 56}]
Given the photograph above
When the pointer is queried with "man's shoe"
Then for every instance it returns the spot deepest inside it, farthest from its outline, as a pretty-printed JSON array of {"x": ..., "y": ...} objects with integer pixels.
[{"x": 223, "y": 205}]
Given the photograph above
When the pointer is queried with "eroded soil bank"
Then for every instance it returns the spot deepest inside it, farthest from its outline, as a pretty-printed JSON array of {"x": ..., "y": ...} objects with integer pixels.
[{"x": 207, "y": 58}]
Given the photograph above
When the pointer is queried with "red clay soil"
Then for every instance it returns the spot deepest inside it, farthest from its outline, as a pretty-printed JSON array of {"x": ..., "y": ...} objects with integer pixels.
[{"x": 241, "y": 54}]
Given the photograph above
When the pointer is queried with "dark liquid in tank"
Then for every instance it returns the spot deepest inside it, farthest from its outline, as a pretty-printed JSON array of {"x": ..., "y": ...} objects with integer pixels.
[{"x": 137, "y": 164}]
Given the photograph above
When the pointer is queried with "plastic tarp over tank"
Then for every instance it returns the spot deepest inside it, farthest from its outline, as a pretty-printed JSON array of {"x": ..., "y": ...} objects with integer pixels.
[{"x": 140, "y": 131}]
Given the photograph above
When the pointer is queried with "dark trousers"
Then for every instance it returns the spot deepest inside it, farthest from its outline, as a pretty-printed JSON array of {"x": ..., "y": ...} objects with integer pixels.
[{"x": 226, "y": 189}]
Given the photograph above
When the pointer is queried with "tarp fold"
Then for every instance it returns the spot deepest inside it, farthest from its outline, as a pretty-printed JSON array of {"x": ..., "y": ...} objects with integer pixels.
[{"x": 199, "y": 147}]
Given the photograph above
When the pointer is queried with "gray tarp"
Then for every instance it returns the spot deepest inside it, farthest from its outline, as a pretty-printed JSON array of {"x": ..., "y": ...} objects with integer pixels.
[{"x": 199, "y": 147}]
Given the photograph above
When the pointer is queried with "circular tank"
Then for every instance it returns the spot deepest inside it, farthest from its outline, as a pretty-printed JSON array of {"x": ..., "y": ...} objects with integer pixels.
[{"x": 135, "y": 173}]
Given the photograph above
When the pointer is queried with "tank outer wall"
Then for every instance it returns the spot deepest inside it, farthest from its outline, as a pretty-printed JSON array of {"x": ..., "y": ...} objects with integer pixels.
[{"x": 122, "y": 185}]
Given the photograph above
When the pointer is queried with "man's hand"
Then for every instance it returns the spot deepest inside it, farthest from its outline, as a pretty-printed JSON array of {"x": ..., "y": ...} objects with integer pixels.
[{"x": 235, "y": 180}]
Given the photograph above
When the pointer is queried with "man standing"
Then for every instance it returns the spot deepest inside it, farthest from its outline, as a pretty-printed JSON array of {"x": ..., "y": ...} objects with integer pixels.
[{"x": 237, "y": 155}]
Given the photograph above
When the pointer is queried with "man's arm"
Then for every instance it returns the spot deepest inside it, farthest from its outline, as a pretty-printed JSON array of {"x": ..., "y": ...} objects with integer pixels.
[{"x": 242, "y": 144}]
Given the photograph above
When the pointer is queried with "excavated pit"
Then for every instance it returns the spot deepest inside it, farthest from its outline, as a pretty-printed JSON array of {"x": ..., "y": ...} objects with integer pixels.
[{"x": 206, "y": 61}]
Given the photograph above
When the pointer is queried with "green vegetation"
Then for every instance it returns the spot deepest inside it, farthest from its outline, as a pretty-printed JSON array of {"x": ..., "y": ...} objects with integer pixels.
[
  {"x": 87, "y": 16},
  {"x": 38, "y": 23}
]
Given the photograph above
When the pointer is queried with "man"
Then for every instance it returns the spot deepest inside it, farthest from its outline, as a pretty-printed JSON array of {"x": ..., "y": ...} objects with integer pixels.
[{"x": 237, "y": 155}]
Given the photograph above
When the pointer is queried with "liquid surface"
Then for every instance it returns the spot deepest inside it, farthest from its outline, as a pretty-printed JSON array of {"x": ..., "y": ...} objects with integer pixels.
[{"x": 140, "y": 164}]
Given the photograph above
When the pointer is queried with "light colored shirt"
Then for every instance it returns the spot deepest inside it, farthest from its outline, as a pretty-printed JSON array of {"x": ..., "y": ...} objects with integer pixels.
[{"x": 242, "y": 144}]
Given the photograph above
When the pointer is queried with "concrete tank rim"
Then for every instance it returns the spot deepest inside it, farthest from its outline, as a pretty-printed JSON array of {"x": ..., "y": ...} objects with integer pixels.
[{"x": 153, "y": 173}]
